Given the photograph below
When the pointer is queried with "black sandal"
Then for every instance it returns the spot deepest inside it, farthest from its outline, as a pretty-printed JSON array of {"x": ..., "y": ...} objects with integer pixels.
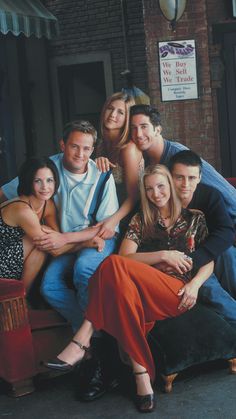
[
  {"x": 145, "y": 404},
  {"x": 57, "y": 364}
]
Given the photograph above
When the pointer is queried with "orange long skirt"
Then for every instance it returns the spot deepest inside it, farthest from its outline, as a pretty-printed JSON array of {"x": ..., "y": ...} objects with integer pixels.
[{"x": 126, "y": 297}]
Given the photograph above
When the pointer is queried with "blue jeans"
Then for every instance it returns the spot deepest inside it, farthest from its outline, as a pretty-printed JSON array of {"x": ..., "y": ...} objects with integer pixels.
[
  {"x": 225, "y": 270},
  {"x": 79, "y": 267},
  {"x": 212, "y": 293}
]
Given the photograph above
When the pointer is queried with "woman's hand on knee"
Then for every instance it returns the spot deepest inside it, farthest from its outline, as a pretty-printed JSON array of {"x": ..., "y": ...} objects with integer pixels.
[{"x": 189, "y": 293}]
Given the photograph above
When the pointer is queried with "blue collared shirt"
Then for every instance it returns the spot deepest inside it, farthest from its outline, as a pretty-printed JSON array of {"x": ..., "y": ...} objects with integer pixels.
[{"x": 73, "y": 204}]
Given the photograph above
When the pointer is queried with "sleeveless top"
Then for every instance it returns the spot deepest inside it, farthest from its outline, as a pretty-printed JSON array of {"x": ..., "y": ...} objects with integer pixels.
[
  {"x": 118, "y": 172},
  {"x": 11, "y": 246}
]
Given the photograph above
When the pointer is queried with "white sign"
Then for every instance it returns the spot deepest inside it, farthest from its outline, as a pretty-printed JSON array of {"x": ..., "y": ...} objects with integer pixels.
[{"x": 178, "y": 75}]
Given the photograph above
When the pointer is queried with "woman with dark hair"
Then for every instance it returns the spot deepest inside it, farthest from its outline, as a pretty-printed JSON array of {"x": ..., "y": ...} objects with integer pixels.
[
  {"x": 117, "y": 152},
  {"x": 152, "y": 279},
  {"x": 21, "y": 220}
]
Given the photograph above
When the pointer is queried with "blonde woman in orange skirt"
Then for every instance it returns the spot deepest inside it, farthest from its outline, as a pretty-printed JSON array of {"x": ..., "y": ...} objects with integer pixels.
[{"x": 151, "y": 279}]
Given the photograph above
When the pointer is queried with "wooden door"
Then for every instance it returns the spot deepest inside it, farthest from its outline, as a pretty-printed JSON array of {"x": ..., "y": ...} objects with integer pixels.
[{"x": 82, "y": 91}]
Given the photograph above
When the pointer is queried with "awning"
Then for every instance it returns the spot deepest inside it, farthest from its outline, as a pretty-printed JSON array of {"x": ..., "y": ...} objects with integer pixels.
[{"x": 27, "y": 17}]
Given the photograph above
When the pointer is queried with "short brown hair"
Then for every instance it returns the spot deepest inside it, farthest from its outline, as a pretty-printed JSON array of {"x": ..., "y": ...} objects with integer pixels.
[{"x": 80, "y": 126}]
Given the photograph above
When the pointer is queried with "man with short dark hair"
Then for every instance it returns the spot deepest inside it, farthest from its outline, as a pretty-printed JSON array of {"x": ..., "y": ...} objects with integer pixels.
[
  {"x": 146, "y": 129},
  {"x": 185, "y": 167}
]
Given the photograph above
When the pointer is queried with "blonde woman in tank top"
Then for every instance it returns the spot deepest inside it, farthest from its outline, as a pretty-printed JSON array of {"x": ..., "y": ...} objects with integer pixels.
[{"x": 118, "y": 152}]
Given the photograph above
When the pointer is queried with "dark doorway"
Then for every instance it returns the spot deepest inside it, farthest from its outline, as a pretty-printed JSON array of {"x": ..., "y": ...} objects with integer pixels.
[
  {"x": 25, "y": 109},
  {"x": 82, "y": 91},
  {"x": 7, "y": 152},
  {"x": 227, "y": 104}
]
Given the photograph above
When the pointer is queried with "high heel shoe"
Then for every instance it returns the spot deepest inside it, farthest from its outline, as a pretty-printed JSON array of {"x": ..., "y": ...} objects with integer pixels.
[
  {"x": 58, "y": 364},
  {"x": 146, "y": 403}
]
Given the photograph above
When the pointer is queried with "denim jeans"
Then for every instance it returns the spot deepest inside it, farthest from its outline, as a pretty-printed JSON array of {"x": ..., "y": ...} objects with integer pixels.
[
  {"x": 225, "y": 270},
  {"x": 212, "y": 294},
  {"x": 79, "y": 267}
]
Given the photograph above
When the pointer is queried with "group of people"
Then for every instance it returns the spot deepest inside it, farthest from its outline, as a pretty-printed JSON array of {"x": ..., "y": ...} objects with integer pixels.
[{"x": 174, "y": 246}]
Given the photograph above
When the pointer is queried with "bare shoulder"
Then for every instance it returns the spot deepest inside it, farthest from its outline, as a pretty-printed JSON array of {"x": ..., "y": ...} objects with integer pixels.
[
  {"x": 15, "y": 205},
  {"x": 22, "y": 209},
  {"x": 50, "y": 205},
  {"x": 131, "y": 152},
  {"x": 17, "y": 211}
]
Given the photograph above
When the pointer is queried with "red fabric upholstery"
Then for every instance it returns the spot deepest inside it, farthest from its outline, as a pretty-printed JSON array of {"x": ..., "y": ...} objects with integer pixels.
[
  {"x": 11, "y": 288},
  {"x": 15, "y": 334},
  {"x": 232, "y": 180},
  {"x": 41, "y": 319},
  {"x": 26, "y": 336},
  {"x": 16, "y": 355}
]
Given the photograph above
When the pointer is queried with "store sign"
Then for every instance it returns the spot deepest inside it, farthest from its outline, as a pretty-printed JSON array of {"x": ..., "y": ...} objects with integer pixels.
[{"x": 178, "y": 74}]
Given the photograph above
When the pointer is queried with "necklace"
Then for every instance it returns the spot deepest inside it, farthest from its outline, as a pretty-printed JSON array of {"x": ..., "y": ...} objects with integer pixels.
[
  {"x": 36, "y": 211},
  {"x": 165, "y": 218}
]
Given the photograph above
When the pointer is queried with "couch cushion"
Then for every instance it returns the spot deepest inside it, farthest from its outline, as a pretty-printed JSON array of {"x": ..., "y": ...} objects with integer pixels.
[
  {"x": 43, "y": 319},
  {"x": 197, "y": 336}
]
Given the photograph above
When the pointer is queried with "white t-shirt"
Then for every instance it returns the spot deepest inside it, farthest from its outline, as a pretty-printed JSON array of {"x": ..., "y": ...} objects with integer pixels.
[{"x": 74, "y": 178}]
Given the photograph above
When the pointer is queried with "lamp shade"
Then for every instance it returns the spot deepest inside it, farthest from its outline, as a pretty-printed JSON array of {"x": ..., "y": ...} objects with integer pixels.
[
  {"x": 172, "y": 9},
  {"x": 140, "y": 98}
]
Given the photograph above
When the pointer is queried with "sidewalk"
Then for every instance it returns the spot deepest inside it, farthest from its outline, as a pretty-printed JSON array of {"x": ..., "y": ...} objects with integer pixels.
[{"x": 206, "y": 393}]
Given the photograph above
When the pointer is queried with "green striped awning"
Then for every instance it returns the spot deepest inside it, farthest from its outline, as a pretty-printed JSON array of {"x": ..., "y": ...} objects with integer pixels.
[{"x": 27, "y": 17}]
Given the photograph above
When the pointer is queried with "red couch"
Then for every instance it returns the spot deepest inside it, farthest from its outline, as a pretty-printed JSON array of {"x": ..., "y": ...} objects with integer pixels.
[
  {"x": 232, "y": 180},
  {"x": 26, "y": 338}
]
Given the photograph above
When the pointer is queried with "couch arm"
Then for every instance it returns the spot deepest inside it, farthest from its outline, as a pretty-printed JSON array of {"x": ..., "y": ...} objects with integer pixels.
[
  {"x": 16, "y": 347},
  {"x": 232, "y": 181},
  {"x": 13, "y": 310}
]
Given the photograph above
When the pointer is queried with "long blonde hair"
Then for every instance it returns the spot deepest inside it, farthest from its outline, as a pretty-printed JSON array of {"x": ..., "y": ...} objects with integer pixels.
[
  {"x": 149, "y": 210},
  {"x": 128, "y": 101}
]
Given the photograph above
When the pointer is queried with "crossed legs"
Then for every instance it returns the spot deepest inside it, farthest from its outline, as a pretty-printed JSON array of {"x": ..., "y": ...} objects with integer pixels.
[{"x": 125, "y": 298}]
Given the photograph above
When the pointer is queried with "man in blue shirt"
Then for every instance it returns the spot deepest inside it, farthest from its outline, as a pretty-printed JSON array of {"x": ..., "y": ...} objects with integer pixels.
[
  {"x": 85, "y": 197},
  {"x": 80, "y": 181},
  {"x": 146, "y": 129},
  {"x": 146, "y": 132}
]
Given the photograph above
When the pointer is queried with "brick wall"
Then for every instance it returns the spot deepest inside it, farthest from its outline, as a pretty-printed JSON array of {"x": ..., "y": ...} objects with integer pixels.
[
  {"x": 194, "y": 123},
  {"x": 189, "y": 121},
  {"x": 96, "y": 25}
]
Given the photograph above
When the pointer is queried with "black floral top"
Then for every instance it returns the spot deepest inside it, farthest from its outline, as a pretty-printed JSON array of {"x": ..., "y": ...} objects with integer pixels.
[
  {"x": 11, "y": 246},
  {"x": 191, "y": 225}
]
